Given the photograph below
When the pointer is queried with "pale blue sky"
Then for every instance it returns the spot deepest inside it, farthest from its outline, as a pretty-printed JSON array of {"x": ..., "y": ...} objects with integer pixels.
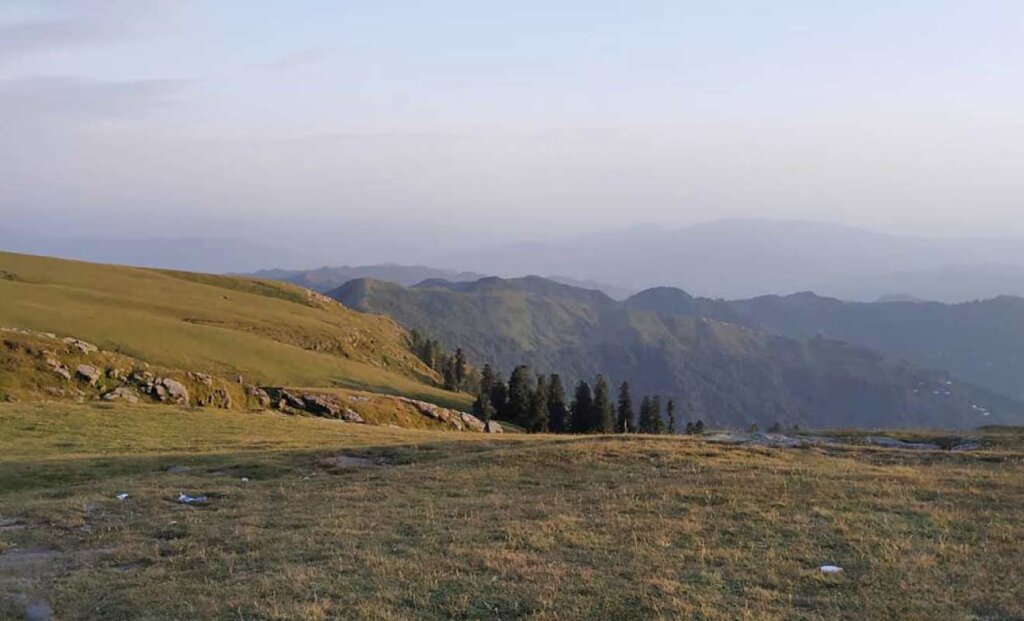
[{"x": 445, "y": 117}]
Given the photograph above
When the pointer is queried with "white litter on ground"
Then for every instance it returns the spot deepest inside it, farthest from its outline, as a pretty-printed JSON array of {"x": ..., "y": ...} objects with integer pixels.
[
  {"x": 122, "y": 496},
  {"x": 831, "y": 569},
  {"x": 185, "y": 499},
  {"x": 245, "y": 479}
]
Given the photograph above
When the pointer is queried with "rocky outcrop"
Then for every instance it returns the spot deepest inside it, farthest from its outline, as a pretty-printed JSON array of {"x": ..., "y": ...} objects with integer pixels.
[
  {"x": 88, "y": 373},
  {"x": 121, "y": 393},
  {"x": 317, "y": 404},
  {"x": 167, "y": 390},
  {"x": 260, "y": 396}
]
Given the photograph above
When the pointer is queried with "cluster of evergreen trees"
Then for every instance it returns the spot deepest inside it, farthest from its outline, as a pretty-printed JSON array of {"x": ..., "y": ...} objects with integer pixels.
[
  {"x": 454, "y": 368},
  {"x": 540, "y": 405}
]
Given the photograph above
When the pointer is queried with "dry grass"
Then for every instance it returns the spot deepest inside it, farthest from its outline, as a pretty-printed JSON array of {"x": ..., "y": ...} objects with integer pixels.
[
  {"x": 270, "y": 333},
  {"x": 467, "y": 526}
]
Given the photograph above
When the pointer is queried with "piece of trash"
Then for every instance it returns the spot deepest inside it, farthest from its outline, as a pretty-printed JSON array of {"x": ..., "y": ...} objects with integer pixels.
[
  {"x": 245, "y": 479},
  {"x": 185, "y": 499},
  {"x": 122, "y": 496},
  {"x": 831, "y": 569}
]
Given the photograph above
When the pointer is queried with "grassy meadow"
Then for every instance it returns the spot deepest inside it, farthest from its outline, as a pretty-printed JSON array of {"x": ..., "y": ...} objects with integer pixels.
[
  {"x": 268, "y": 332},
  {"x": 470, "y": 526}
]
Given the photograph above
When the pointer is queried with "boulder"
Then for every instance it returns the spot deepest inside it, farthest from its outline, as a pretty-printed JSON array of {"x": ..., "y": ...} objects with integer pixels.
[
  {"x": 121, "y": 393},
  {"x": 88, "y": 373},
  {"x": 202, "y": 378},
  {"x": 493, "y": 427},
  {"x": 472, "y": 422},
  {"x": 260, "y": 395},
  {"x": 176, "y": 391},
  {"x": 352, "y": 416},
  {"x": 321, "y": 405},
  {"x": 82, "y": 346}
]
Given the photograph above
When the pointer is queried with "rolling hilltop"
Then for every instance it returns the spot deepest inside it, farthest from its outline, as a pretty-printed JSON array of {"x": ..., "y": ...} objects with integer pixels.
[
  {"x": 718, "y": 370},
  {"x": 82, "y": 330}
]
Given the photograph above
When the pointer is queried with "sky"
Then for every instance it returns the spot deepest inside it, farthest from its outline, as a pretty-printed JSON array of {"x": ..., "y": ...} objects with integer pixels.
[{"x": 386, "y": 129}]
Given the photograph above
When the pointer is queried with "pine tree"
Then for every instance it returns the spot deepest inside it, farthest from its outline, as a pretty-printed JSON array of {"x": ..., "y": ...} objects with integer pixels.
[
  {"x": 519, "y": 396},
  {"x": 657, "y": 425},
  {"x": 626, "y": 421},
  {"x": 670, "y": 409},
  {"x": 558, "y": 412},
  {"x": 487, "y": 379},
  {"x": 499, "y": 398},
  {"x": 603, "y": 420},
  {"x": 448, "y": 373},
  {"x": 582, "y": 408},
  {"x": 645, "y": 425},
  {"x": 483, "y": 409},
  {"x": 538, "y": 417},
  {"x": 461, "y": 367},
  {"x": 698, "y": 427}
]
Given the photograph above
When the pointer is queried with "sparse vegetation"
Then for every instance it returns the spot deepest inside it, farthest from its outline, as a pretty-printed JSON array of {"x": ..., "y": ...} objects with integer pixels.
[{"x": 479, "y": 526}]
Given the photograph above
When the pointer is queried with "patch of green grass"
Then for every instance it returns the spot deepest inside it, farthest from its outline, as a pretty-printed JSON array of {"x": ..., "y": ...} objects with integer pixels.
[{"x": 474, "y": 526}]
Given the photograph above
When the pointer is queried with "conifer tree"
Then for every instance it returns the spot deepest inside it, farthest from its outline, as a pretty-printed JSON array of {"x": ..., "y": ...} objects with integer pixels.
[
  {"x": 461, "y": 367},
  {"x": 582, "y": 408},
  {"x": 448, "y": 373},
  {"x": 644, "y": 425},
  {"x": 487, "y": 380},
  {"x": 558, "y": 411},
  {"x": 482, "y": 408},
  {"x": 499, "y": 398},
  {"x": 538, "y": 417},
  {"x": 670, "y": 410},
  {"x": 626, "y": 421},
  {"x": 698, "y": 427},
  {"x": 603, "y": 420},
  {"x": 657, "y": 424},
  {"x": 519, "y": 396}
]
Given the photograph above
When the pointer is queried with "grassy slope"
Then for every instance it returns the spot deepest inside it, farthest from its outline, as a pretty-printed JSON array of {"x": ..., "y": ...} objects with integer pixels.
[
  {"x": 482, "y": 527},
  {"x": 268, "y": 332}
]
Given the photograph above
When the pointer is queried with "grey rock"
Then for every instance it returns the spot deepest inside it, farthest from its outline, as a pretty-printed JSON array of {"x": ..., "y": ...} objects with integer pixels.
[
  {"x": 493, "y": 426},
  {"x": 121, "y": 393},
  {"x": 261, "y": 396},
  {"x": 178, "y": 470},
  {"x": 88, "y": 372},
  {"x": 38, "y": 611},
  {"x": 352, "y": 416},
  {"x": 176, "y": 391}
]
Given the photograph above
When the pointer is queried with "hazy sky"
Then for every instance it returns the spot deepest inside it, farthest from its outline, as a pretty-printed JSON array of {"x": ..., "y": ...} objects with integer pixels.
[{"x": 442, "y": 121}]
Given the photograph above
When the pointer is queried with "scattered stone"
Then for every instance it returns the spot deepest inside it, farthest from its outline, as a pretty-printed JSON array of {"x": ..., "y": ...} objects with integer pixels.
[
  {"x": 261, "y": 396},
  {"x": 117, "y": 374},
  {"x": 82, "y": 346},
  {"x": 472, "y": 422},
  {"x": 88, "y": 372},
  {"x": 321, "y": 405},
  {"x": 352, "y": 416},
  {"x": 121, "y": 393},
  {"x": 121, "y": 496},
  {"x": 493, "y": 426},
  {"x": 185, "y": 499},
  {"x": 202, "y": 378},
  {"x": 831, "y": 569},
  {"x": 178, "y": 470}
]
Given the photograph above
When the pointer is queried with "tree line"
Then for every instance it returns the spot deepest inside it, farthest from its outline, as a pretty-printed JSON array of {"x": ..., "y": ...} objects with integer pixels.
[{"x": 540, "y": 404}]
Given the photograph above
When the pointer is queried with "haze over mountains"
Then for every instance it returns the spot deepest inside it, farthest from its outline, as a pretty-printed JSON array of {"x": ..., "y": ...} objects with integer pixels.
[
  {"x": 712, "y": 356},
  {"x": 724, "y": 259}
]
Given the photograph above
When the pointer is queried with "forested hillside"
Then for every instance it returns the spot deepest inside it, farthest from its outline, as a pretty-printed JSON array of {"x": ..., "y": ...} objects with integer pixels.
[{"x": 718, "y": 371}]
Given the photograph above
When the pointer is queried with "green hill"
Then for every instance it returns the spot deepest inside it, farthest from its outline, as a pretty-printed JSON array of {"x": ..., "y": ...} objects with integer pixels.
[
  {"x": 981, "y": 342},
  {"x": 266, "y": 332},
  {"x": 719, "y": 371}
]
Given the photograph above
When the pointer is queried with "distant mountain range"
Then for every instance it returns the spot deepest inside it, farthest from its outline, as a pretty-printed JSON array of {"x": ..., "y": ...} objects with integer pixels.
[
  {"x": 731, "y": 363},
  {"x": 746, "y": 258},
  {"x": 327, "y": 278}
]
